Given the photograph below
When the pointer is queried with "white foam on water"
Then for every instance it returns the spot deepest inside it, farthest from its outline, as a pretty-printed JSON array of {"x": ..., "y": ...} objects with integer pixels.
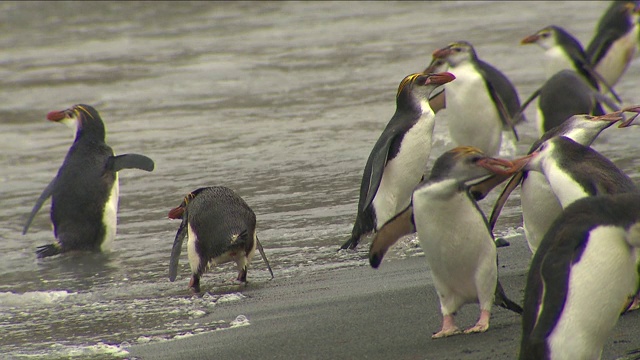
[{"x": 10, "y": 299}]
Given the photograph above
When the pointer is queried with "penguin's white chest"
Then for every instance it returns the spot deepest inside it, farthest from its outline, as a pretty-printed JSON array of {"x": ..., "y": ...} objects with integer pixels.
[
  {"x": 556, "y": 60},
  {"x": 192, "y": 253},
  {"x": 471, "y": 114},
  {"x": 110, "y": 216},
  {"x": 540, "y": 207},
  {"x": 617, "y": 59},
  {"x": 403, "y": 172},
  {"x": 457, "y": 244},
  {"x": 566, "y": 189},
  {"x": 599, "y": 286}
]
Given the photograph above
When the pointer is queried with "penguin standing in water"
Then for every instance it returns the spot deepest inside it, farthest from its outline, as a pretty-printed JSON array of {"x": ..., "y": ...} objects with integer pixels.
[
  {"x": 540, "y": 205},
  {"x": 461, "y": 255},
  {"x": 481, "y": 103},
  {"x": 84, "y": 193},
  {"x": 571, "y": 303},
  {"x": 615, "y": 42},
  {"x": 221, "y": 227},
  {"x": 398, "y": 159}
]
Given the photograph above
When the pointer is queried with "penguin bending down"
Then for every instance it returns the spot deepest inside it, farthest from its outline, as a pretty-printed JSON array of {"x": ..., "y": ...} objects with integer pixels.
[
  {"x": 481, "y": 103},
  {"x": 221, "y": 227},
  {"x": 563, "y": 95},
  {"x": 564, "y": 52},
  {"x": 540, "y": 204},
  {"x": 571, "y": 305},
  {"x": 615, "y": 42},
  {"x": 462, "y": 257},
  {"x": 398, "y": 159},
  {"x": 84, "y": 193}
]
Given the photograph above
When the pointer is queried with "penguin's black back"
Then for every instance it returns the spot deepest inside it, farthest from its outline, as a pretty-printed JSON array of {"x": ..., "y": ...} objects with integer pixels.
[
  {"x": 217, "y": 215},
  {"x": 82, "y": 188}
]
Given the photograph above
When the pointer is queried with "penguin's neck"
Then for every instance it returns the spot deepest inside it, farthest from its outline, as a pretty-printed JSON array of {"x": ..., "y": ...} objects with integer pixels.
[
  {"x": 557, "y": 60},
  {"x": 439, "y": 189},
  {"x": 584, "y": 136},
  {"x": 564, "y": 186},
  {"x": 94, "y": 134}
]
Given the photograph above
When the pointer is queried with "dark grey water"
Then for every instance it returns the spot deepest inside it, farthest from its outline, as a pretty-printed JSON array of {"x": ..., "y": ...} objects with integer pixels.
[{"x": 282, "y": 102}]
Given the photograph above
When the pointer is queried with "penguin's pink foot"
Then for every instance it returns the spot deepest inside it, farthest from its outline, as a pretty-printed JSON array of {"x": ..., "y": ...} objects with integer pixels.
[
  {"x": 482, "y": 325},
  {"x": 448, "y": 328}
]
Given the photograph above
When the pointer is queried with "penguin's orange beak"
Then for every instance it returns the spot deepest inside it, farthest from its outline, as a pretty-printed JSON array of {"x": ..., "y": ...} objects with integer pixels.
[
  {"x": 626, "y": 123},
  {"x": 497, "y": 166},
  {"x": 440, "y": 78},
  {"x": 176, "y": 213},
  {"x": 520, "y": 163},
  {"x": 531, "y": 39},
  {"x": 441, "y": 53},
  {"x": 59, "y": 115}
]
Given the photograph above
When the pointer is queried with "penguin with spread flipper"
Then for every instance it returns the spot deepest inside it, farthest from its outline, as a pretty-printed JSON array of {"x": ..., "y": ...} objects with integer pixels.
[{"x": 84, "y": 193}]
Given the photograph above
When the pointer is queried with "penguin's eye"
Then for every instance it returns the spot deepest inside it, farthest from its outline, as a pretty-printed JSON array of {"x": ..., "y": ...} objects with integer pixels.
[
  {"x": 475, "y": 159},
  {"x": 457, "y": 49},
  {"x": 545, "y": 35}
]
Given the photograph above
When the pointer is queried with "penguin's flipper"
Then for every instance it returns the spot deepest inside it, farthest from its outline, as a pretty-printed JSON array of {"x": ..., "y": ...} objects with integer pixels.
[
  {"x": 264, "y": 257},
  {"x": 43, "y": 197},
  {"x": 48, "y": 250},
  {"x": 399, "y": 226},
  {"x": 438, "y": 101},
  {"x": 130, "y": 161},
  {"x": 480, "y": 190},
  {"x": 526, "y": 103},
  {"x": 177, "y": 249},
  {"x": 591, "y": 71},
  {"x": 502, "y": 199},
  {"x": 503, "y": 301},
  {"x": 376, "y": 163},
  {"x": 503, "y": 112}
]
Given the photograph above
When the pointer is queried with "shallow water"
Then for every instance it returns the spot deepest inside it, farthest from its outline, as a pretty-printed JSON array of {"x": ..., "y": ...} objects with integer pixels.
[{"x": 281, "y": 102}]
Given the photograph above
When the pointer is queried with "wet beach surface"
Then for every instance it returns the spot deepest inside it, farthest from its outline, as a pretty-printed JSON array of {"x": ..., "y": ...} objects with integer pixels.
[{"x": 281, "y": 102}]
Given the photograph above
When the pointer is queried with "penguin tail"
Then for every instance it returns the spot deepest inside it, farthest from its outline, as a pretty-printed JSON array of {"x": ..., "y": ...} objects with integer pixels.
[
  {"x": 504, "y": 302},
  {"x": 48, "y": 250}
]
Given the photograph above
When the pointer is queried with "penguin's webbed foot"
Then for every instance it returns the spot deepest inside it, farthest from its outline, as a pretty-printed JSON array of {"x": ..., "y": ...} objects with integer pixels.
[
  {"x": 349, "y": 244},
  {"x": 48, "y": 250},
  {"x": 482, "y": 325},
  {"x": 242, "y": 275},
  {"x": 194, "y": 284},
  {"x": 448, "y": 328}
]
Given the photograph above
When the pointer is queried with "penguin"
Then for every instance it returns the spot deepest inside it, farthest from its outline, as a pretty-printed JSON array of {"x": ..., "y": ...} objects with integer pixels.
[
  {"x": 85, "y": 192},
  {"x": 571, "y": 303},
  {"x": 462, "y": 256},
  {"x": 481, "y": 103},
  {"x": 540, "y": 204},
  {"x": 615, "y": 42},
  {"x": 221, "y": 227},
  {"x": 563, "y": 95},
  {"x": 398, "y": 159},
  {"x": 563, "y": 51}
]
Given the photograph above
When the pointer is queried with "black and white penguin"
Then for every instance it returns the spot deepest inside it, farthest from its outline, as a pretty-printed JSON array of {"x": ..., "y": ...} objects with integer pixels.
[
  {"x": 540, "y": 203},
  {"x": 563, "y": 95},
  {"x": 461, "y": 255},
  {"x": 481, "y": 103},
  {"x": 221, "y": 227},
  {"x": 571, "y": 303},
  {"x": 84, "y": 193},
  {"x": 615, "y": 42},
  {"x": 562, "y": 51},
  {"x": 398, "y": 160}
]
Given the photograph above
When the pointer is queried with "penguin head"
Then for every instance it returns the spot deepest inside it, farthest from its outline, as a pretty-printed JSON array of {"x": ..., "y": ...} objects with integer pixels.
[
  {"x": 535, "y": 159},
  {"x": 85, "y": 117},
  {"x": 178, "y": 212},
  {"x": 467, "y": 163},
  {"x": 546, "y": 38},
  {"x": 584, "y": 128},
  {"x": 455, "y": 54},
  {"x": 414, "y": 89}
]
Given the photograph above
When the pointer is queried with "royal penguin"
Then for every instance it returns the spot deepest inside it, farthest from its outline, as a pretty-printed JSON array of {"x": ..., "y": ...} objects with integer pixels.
[
  {"x": 454, "y": 235},
  {"x": 480, "y": 104},
  {"x": 615, "y": 42},
  {"x": 562, "y": 51},
  {"x": 84, "y": 194},
  {"x": 540, "y": 204},
  {"x": 571, "y": 301},
  {"x": 221, "y": 227},
  {"x": 563, "y": 95},
  {"x": 398, "y": 159}
]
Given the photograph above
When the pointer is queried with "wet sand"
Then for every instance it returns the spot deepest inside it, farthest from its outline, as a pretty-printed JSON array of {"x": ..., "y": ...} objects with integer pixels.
[{"x": 362, "y": 313}]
